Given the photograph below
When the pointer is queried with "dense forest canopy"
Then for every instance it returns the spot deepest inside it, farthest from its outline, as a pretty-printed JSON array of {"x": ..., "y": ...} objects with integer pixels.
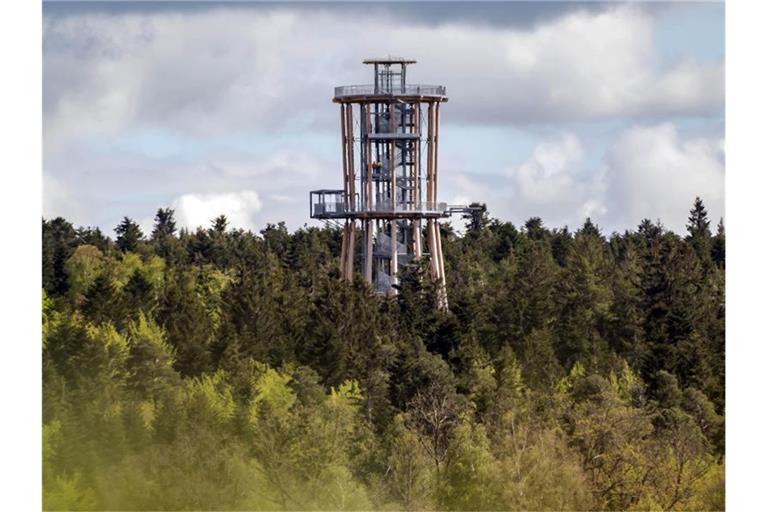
[{"x": 222, "y": 369}]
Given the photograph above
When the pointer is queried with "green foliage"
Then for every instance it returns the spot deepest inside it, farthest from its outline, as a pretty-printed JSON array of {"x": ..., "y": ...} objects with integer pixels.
[
  {"x": 469, "y": 479},
  {"x": 150, "y": 363},
  {"x": 68, "y": 494},
  {"x": 409, "y": 471},
  {"x": 225, "y": 370},
  {"x": 82, "y": 269}
]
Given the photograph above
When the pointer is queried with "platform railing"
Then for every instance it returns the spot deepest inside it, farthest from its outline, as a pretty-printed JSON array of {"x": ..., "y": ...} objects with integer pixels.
[
  {"x": 370, "y": 89},
  {"x": 330, "y": 204}
]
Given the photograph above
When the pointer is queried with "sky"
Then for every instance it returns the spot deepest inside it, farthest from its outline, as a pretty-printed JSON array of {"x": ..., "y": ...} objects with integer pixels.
[{"x": 564, "y": 111}]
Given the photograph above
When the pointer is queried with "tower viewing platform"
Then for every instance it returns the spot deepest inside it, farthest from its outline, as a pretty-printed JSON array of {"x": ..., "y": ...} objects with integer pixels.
[
  {"x": 389, "y": 80},
  {"x": 389, "y": 142}
]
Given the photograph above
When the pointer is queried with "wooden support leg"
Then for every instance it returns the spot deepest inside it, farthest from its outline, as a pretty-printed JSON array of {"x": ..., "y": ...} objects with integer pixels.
[
  {"x": 369, "y": 251},
  {"x": 442, "y": 291},
  {"x": 350, "y": 251},
  {"x": 393, "y": 255},
  {"x": 343, "y": 262},
  {"x": 417, "y": 239},
  {"x": 432, "y": 246}
]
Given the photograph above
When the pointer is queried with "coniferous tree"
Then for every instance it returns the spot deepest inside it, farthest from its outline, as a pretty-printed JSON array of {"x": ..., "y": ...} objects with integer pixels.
[
  {"x": 59, "y": 240},
  {"x": 507, "y": 238},
  {"x": 219, "y": 224},
  {"x": 94, "y": 236},
  {"x": 99, "y": 302},
  {"x": 129, "y": 235},
  {"x": 561, "y": 243},
  {"x": 477, "y": 218},
  {"x": 625, "y": 327},
  {"x": 165, "y": 225},
  {"x": 699, "y": 234},
  {"x": 718, "y": 245},
  {"x": 584, "y": 298},
  {"x": 570, "y": 372},
  {"x": 534, "y": 228},
  {"x": 163, "y": 236},
  {"x": 650, "y": 231}
]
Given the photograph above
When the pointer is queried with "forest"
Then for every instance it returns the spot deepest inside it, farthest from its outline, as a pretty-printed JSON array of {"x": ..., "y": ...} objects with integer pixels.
[{"x": 221, "y": 369}]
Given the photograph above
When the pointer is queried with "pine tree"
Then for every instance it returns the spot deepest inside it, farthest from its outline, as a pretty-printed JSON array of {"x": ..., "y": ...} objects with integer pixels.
[
  {"x": 165, "y": 225},
  {"x": 625, "y": 328},
  {"x": 507, "y": 238},
  {"x": 188, "y": 325},
  {"x": 590, "y": 229},
  {"x": 99, "y": 303},
  {"x": 164, "y": 238},
  {"x": 477, "y": 218},
  {"x": 59, "y": 241},
  {"x": 534, "y": 228},
  {"x": 650, "y": 231},
  {"x": 698, "y": 222},
  {"x": 584, "y": 299},
  {"x": 561, "y": 245},
  {"x": 718, "y": 245},
  {"x": 219, "y": 224},
  {"x": 699, "y": 234},
  {"x": 129, "y": 235}
]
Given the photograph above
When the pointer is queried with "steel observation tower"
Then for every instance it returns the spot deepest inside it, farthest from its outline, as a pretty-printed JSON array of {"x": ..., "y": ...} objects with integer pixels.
[{"x": 389, "y": 142}]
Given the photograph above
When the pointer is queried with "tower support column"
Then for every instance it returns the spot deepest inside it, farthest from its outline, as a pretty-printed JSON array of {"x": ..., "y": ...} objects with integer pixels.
[{"x": 368, "y": 252}]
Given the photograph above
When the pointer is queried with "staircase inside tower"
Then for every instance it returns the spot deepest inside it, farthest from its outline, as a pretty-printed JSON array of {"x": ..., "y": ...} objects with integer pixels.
[{"x": 382, "y": 254}]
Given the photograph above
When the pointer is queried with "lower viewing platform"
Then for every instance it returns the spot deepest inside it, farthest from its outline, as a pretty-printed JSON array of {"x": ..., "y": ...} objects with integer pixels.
[{"x": 330, "y": 204}]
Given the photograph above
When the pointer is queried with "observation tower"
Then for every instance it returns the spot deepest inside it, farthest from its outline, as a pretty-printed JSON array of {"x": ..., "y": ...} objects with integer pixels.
[{"x": 389, "y": 142}]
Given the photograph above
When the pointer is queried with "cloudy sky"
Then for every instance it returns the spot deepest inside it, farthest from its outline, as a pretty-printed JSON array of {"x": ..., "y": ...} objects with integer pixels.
[{"x": 557, "y": 110}]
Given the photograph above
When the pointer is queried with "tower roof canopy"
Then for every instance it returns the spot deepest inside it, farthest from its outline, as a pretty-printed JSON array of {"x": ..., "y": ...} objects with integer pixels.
[{"x": 389, "y": 59}]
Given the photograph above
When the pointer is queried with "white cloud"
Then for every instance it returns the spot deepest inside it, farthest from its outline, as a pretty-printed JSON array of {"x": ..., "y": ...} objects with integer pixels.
[
  {"x": 647, "y": 172},
  {"x": 547, "y": 176},
  {"x": 241, "y": 208},
  {"x": 651, "y": 172}
]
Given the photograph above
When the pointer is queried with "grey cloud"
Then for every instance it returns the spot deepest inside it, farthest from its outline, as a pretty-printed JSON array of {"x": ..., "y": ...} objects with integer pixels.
[
  {"x": 508, "y": 14},
  {"x": 222, "y": 70}
]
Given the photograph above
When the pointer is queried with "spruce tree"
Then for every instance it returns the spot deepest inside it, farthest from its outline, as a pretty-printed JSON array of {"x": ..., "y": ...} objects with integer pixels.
[
  {"x": 718, "y": 245},
  {"x": 164, "y": 238},
  {"x": 165, "y": 225},
  {"x": 129, "y": 235},
  {"x": 477, "y": 218},
  {"x": 59, "y": 242},
  {"x": 535, "y": 229},
  {"x": 698, "y": 222},
  {"x": 699, "y": 235},
  {"x": 219, "y": 224}
]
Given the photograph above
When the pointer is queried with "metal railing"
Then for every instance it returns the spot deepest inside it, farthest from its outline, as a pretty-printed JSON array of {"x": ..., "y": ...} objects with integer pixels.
[
  {"x": 370, "y": 89},
  {"x": 332, "y": 206},
  {"x": 387, "y": 206}
]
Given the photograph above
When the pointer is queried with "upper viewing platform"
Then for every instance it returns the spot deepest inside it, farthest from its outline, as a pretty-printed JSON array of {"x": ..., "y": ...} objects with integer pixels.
[
  {"x": 370, "y": 90},
  {"x": 389, "y": 59},
  {"x": 389, "y": 80}
]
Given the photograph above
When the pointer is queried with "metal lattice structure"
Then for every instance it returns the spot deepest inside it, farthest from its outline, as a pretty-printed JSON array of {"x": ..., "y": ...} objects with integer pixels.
[{"x": 390, "y": 176}]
